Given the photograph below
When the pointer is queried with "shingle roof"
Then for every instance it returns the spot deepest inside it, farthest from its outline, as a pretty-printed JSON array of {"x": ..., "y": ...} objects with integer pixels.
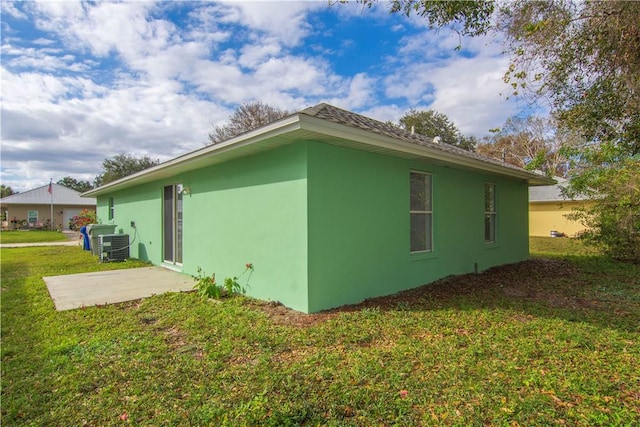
[
  {"x": 60, "y": 194},
  {"x": 550, "y": 193},
  {"x": 349, "y": 118}
]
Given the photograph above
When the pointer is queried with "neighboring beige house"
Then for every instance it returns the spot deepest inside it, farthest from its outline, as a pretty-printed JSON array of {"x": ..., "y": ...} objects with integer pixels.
[
  {"x": 34, "y": 207},
  {"x": 548, "y": 209}
]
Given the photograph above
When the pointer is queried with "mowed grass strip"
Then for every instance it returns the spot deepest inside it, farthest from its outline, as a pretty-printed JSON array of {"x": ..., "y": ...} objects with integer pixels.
[
  {"x": 559, "y": 246},
  {"x": 31, "y": 236},
  {"x": 550, "y": 341}
]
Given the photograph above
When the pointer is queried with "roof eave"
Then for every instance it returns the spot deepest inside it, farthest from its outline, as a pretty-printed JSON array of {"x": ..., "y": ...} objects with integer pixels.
[
  {"x": 301, "y": 121},
  {"x": 182, "y": 163},
  {"x": 391, "y": 144}
]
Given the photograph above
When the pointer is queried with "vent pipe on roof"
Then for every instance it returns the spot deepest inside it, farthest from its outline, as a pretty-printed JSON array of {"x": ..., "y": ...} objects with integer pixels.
[{"x": 413, "y": 130}]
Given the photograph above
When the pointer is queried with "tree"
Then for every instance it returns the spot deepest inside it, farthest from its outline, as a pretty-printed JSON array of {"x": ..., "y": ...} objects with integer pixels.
[
  {"x": 74, "y": 184},
  {"x": 613, "y": 222},
  {"x": 585, "y": 58},
  {"x": 122, "y": 165},
  {"x": 246, "y": 117},
  {"x": 533, "y": 143},
  {"x": 6, "y": 191},
  {"x": 433, "y": 124},
  {"x": 469, "y": 18}
]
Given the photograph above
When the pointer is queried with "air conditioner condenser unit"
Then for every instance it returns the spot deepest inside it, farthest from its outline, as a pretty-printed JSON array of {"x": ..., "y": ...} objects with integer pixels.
[{"x": 113, "y": 247}]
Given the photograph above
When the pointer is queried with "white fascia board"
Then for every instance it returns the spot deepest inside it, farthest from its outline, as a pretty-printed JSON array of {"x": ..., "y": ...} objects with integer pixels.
[
  {"x": 313, "y": 124},
  {"x": 181, "y": 163},
  {"x": 392, "y": 144}
]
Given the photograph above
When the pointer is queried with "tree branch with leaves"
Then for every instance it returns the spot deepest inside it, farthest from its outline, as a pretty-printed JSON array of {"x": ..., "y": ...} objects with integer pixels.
[
  {"x": 246, "y": 117},
  {"x": 121, "y": 165},
  {"x": 434, "y": 124}
]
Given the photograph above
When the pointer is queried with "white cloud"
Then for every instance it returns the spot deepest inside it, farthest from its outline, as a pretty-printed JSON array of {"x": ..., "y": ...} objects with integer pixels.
[
  {"x": 284, "y": 20},
  {"x": 384, "y": 113},
  {"x": 176, "y": 61},
  {"x": 43, "y": 42},
  {"x": 465, "y": 85},
  {"x": 252, "y": 55},
  {"x": 375, "y": 11},
  {"x": 106, "y": 27},
  {"x": 293, "y": 73},
  {"x": 428, "y": 45},
  {"x": 359, "y": 93},
  {"x": 30, "y": 87},
  {"x": 162, "y": 95},
  {"x": 472, "y": 97},
  {"x": 25, "y": 58},
  {"x": 44, "y": 130},
  {"x": 9, "y": 8},
  {"x": 106, "y": 77}
]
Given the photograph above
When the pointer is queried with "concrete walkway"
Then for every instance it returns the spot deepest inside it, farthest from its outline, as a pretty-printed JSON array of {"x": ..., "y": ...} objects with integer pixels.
[{"x": 108, "y": 287}]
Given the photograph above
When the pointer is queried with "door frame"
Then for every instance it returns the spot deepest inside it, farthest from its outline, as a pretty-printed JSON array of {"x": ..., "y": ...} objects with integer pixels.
[{"x": 173, "y": 212}]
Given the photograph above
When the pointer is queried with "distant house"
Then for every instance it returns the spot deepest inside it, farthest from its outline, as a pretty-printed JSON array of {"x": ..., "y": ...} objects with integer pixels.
[
  {"x": 548, "y": 208},
  {"x": 329, "y": 206},
  {"x": 33, "y": 207}
]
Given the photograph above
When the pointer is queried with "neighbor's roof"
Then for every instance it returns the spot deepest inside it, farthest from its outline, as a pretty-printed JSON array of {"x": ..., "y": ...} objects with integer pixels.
[
  {"x": 331, "y": 125},
  {"x": 60, "y": 195},
  {"x": 551, "y": 193}
]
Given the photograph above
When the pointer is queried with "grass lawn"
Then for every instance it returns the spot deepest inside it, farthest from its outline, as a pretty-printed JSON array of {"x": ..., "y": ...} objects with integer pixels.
[
  {"x": 31, "y": 236},
  {"x": 551, "y": 341},
  {"x": 563, "y": 246}
]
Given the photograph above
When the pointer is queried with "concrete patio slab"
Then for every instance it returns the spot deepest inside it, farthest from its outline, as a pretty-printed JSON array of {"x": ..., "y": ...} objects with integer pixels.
[{"x": 108, "y": 287}]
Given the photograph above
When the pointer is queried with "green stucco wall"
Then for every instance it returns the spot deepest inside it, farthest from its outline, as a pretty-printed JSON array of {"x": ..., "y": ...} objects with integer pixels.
[
  {"x": 325, "y": 225},
  {"x": 250, "y": 210},
  {"x": 359, "y": 225},
  {"x": 142, "y": 205}
]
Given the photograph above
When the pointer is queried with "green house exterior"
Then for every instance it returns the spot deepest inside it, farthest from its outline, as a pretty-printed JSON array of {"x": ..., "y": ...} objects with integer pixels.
[{"x": 319, "y": 204}]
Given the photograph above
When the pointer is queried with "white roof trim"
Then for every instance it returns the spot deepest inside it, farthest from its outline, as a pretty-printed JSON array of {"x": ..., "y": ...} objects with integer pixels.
[
  {"x": 422, "y": 151},
  {"x": 301, "y": 121},
  {"x": 279, "y": 127}
]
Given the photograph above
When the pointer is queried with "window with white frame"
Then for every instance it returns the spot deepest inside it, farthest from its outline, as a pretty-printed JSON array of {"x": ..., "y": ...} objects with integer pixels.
[
  {"x": 489, "y": 212},
  {"x": 112, "y": 209},
  {"x": 32, "y": 217},
  {"x": 420, "y": 212}
]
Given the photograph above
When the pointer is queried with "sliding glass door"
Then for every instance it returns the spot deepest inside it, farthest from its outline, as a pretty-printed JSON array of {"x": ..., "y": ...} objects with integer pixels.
[{"x": 172, "y": 224}]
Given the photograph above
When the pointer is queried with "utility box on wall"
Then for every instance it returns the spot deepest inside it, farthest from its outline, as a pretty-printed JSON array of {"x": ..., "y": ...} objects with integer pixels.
[{"x": 113, "y": 247}]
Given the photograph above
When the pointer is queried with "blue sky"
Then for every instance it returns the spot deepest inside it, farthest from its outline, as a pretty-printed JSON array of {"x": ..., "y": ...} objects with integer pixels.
[{"x": 85, "y": 81}]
